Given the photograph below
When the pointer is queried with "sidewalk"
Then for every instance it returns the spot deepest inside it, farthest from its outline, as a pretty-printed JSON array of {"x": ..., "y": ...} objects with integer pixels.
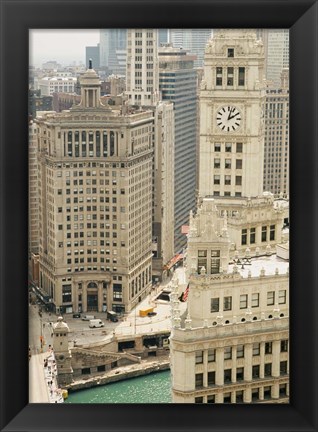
[{"x": 40, "y": 378}]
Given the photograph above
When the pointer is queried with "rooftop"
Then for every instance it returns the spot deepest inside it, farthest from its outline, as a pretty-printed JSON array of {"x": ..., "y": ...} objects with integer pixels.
[{"x": 265, "y": 265}]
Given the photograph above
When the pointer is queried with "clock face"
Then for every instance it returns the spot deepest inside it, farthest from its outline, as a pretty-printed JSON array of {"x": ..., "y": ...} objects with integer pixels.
[{"x": 228, "y": 118}]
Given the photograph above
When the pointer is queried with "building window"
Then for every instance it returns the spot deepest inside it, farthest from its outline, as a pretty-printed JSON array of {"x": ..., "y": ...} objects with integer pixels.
[
  {"x": 282, "y": 297},
  {"x": 211, "y": 355},
  {"x": 243, "y": 301},
  {"x": 217, "y": 163},
  {"x": 240, "y": 351},
  {"x": 255, "y": 394},
  {"x": 228, "y": 147},
  {"x": 198, "y": 399},
  {"x": 244, "y": 236},
  {"x": 230, "y": 52},
  {"x": 256, "y": 349},
  {"x": 211, "y": 399},
  {"x": 284, "y": 345},
  {"x": 219, "y": 73},
  {"x": 282, "y": 390},
  {"x": 217, "y": 147},
  {"x": 230, "y": 75},
  {"x": 283, "y": 367},
  {"x": 227, "y": 353},
  {"x": 211, "y": 378},
  {"x": 241, "y": 76},
  {"x": 227, "y": 163},
  {"x": 252, "y": 235},
  {"x": 267, "y": 392},
  {"x": 255, "y": 300},
  {"x": 215, "y": 305},
  {"x": 66, "y": 293},
  {"x": 227, "y": 376},
  {"x": 255, "y": 371},
  {"x": 268, "y": 369},
  {"x": 240, "y": 374},
  {"x": 270, "y": 298},
  {"x": 216, "y": 179},
  {"x": 264, "y": 233},
  {"x": 199, "y": 357},
  {"x": 117, "y": 292},
  {"x": 268, "y": 347},
  {"x": 202, "y": 259},
  {"x": 239, "y": 396},
  {"x": 227, "y": 179},
  {"x": 215, "y": 261},
  {"x": 227, "y": 398},
  {"x": 272, "y": 232},
  {"x": 198, "y": 380},
  {"x": 239, "y": 147},
  {"x": 227, "y": 303},
  {"x": 238, "y": 164}
]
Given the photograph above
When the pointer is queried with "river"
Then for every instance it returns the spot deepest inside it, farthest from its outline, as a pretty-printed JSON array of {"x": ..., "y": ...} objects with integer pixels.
[{"x": 153, "y": 388}]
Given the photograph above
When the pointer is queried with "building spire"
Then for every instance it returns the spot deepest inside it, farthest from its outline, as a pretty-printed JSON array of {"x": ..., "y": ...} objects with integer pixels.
[{"x": 90, "y": 64}]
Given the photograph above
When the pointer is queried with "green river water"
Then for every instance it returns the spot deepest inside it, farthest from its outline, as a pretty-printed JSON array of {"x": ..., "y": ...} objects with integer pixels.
[{"x": 153, "y": 388}]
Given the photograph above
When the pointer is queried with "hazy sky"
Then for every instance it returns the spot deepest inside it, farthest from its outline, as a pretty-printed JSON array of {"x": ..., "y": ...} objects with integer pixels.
[{"x": 64, "y": 46}]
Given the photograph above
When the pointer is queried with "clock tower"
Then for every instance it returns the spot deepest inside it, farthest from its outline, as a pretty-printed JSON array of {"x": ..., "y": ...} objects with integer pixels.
[{"x": 232, "y": 99}]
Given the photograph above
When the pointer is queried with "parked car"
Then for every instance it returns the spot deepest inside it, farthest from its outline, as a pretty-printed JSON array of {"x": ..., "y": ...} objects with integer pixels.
[
  {"x": 151, "y": 314},
  {"x": 76, "y": 315},
  {"x": 87, "y": 317}
]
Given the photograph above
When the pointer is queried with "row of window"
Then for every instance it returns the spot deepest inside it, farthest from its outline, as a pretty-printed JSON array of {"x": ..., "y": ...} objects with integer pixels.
[
  {"x": 238, "y": 396},
  {"x": 239, "y": 374},
  {"x": 240, "y": 351},
  {"x": 227, "y": 180},
  {"x": 228, "y": 147},
  {"x": 227, "y": 75},
  {"x": 228, "y": 163},
  {"x": 244, "y": 301},
  {"x": 249, "y": 235}
]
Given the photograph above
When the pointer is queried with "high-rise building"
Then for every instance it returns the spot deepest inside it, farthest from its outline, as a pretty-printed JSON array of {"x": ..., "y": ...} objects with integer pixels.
[
  {"x": 92, "y": 53},
  {"x": 276, "y": 154},
  {"x": 95, "y": 203},
  {"x": 142, "y": 75},
  {"x": 113, "y": 50},
  {"x": 276, "y": 46},
  {"x": 178, "y": 84},
  {"x": 142, "y": 90},
  {"x": 163, "y": 36},
  {"x": 192, "y": 40},
  {"x": 231, "y": 344}
]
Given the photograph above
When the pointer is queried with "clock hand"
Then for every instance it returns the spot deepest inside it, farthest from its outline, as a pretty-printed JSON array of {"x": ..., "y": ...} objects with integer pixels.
[
  {"x": 233, "y": 116},
  {"x": 229, "y": 116}
]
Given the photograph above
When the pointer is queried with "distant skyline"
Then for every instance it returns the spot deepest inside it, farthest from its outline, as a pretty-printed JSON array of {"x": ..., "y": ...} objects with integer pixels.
[{"x": 63, "y": 46}]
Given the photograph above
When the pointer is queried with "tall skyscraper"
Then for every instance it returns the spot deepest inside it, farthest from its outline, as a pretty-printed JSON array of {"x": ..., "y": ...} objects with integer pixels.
[
  {"x": 178, "y": 84},
  {"x": 95, "y": 203},
  {"x": 231, "y": 344},
  {"x": 92, "y": 53},
  {"x": 113, "y": 50},
  {"x": 276, "y": 154},
  {"x": 192, "y": 40},
  {"x": 276, "y": 46},
  {"x": 143, "y": 90}
]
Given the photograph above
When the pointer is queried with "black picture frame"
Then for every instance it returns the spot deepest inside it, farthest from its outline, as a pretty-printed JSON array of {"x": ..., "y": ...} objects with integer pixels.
[{"x": 17, "y": 17}]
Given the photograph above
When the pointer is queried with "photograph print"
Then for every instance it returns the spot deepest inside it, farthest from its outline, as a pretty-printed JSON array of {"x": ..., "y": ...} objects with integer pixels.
[{"x": 158, "y": 249}]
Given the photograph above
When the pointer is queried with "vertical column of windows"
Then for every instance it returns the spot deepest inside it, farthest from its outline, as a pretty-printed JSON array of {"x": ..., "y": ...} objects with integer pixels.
[
  {"x": 76, "y": 143},
  {"x": 90, "y": 144},
  {"x": 69, "y": 143},
  {"x": 105, "y": 148},
  {"x": 84, "y": 144},
  {"x": 98, "y": 153}
]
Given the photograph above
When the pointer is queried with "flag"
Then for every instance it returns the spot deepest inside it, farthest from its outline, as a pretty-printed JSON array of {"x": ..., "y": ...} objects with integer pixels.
[{"x": 184, "y": 295}]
